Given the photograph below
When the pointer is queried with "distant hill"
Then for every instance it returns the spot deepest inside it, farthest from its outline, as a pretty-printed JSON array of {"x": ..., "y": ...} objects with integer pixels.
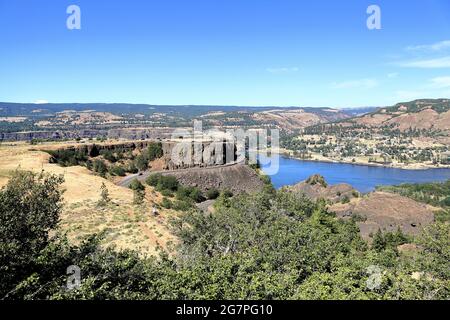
[
  {"x": 355, "y": 112},
  {"x": 438, "y": 105},
  {"x": 30, "y": 116},
  {"x": 428, "y": 114},
  {"x": 31, "y": 109}
]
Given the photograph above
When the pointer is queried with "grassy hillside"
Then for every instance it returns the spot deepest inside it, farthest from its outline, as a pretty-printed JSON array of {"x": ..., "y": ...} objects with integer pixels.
[
  {"x": 435, "y": 194},
  {"x": 438, "y": 105},
  {"x": 266, "y": 246}
]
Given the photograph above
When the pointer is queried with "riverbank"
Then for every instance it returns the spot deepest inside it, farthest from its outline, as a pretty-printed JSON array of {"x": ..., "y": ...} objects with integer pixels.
[{"x": 361, "y": 162}]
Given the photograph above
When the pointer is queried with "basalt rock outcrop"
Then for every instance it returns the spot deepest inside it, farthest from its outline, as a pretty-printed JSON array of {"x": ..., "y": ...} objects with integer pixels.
[
  {"x": 198, "y": 154},
  {"x": 115, "y": 133},
  {"x": 237, "y": 178},
  {"x": 375, "y": 210},
  {"x": 315, "y": 187}
]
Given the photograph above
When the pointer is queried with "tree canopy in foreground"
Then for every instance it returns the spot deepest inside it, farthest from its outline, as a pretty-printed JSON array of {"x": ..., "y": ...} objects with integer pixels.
[{"x": 273, "y": 245}]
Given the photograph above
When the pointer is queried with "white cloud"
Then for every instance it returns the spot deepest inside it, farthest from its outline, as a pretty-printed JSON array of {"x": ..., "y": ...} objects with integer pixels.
[
  {"x": 282, "y": 70},
  {"x": 440, "y": 82},
  {"x": 438, "y": 46},
  {"x": 41, "y": 101},
  {"x": 393, "y": 75},
  {"x": 356, "y": 84},
  {"x": 427, "y": 63}
]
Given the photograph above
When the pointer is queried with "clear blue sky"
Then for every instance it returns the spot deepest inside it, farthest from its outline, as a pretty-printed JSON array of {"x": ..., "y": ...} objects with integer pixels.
[{"x": 225, "y": 52}]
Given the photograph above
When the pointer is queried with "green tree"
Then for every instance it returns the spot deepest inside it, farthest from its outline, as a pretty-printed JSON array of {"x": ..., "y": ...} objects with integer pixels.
[
  {"x": 29, "y": 208},
  {"x": 379, "y": 242},
  {"x": 212, "y": 193},
  {"x": 136, "y": 185},
  {"x": 141, "y": 162},
  {"x": 166, "y": 203},
  {"x": 117, "y": 171},
  {"x": 138, "y": 196},
  {"x": 100, "y": 167},
  {"x": 154, "y": 151},
  {"x": 161, "y": 182}
]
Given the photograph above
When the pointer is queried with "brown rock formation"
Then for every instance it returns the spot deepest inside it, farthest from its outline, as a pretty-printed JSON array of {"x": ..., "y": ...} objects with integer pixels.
[
  {"x": 376, "y": 210},
  {"x": 316, "y": 188},
  {"x": 237, "y": 178},
  {"x": 387, "y": 212}
]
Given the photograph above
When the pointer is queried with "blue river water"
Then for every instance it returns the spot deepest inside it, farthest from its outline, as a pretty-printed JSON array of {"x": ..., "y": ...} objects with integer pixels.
[{"x": 362, "y": 178}]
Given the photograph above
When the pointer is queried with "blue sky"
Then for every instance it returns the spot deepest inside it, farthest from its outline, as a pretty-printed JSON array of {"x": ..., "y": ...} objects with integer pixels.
[{"x": 225, "y": 52}]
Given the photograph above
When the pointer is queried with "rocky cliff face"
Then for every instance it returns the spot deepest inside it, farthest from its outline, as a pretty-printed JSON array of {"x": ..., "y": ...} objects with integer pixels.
[
  {"x": 119, "y": 133},
  {"x": 237, "y": 178},
  {"x": 198, "y": 154},
  {"x": 51, "y": 135}
]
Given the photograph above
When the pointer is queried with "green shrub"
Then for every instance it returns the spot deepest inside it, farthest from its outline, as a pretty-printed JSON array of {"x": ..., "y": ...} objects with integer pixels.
[
  {"x": 161, "y": 182},
  {"x": 345, "y": 200},
  {"x": 168, "y": 183},
  {"x": 317, "y": 179},
  {"x": 226, "y": 193},
  {"x": 108, "y": 155},
  {"x": 181, "y": 205},
  {"x": 153, "y": 179},
  {"x": 68, "y": 157},
  {"x": 167, "y": 193},
  {"x": 212, "y": 194},
  {"x": 442, "y": 216},
  {"x": 196, "y": 195},
  {"x": 141, "y": 162},
  {"x": 132, "y": 168},
  {"x": 138, "y": 196},
  {"x": 166, "y": 203},
  {"x": 136, "y": 185},
  {"x": 154, "y": 151},
  {"x": 100, "y": 167},
  {"x": 266, "y": 179},
  {"x": 117, "y": 171},
  {"x": 191, "y": 193}
]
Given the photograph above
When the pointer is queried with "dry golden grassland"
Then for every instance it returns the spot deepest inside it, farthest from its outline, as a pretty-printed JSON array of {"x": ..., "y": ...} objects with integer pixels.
[{"x": 125, "y": 225}]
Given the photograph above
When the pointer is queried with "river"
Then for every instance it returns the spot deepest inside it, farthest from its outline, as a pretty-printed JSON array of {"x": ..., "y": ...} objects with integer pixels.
[{"x": 363, "y": 178}]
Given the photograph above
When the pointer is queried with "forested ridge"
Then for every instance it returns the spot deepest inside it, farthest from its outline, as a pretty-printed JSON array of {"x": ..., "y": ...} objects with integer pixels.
[{"x": 271, "y": 245}]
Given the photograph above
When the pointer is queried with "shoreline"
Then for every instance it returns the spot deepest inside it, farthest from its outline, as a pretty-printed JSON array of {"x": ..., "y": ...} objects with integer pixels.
[{"x": 413, "y": 167}]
